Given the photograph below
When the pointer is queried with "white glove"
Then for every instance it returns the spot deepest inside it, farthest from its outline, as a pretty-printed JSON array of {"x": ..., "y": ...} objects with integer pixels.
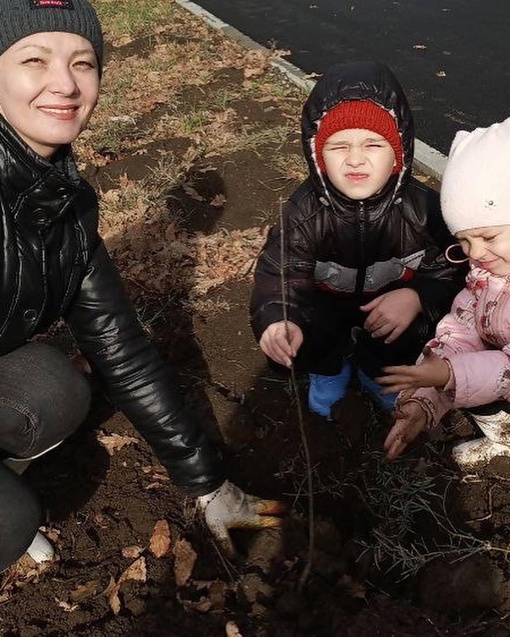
[{"x": 230, "y": 508}]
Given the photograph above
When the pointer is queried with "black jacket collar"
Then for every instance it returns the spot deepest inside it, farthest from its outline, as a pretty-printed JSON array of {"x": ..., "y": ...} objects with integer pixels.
[{"x": 35, "y": 191}]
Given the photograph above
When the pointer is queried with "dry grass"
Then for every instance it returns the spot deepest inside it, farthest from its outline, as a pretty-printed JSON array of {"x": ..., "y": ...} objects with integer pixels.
[
  {"x": 292, "y": 165},
  {"x": 134, "y": 20},
  {"x": 170, "y": 76},
  {"x": 179, "y": 52}
]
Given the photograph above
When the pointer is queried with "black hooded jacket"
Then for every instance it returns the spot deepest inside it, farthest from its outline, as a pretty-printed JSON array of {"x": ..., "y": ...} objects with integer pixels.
[
  {"x": 355, "y": 249},
  {"x": 54, "y": 264}
]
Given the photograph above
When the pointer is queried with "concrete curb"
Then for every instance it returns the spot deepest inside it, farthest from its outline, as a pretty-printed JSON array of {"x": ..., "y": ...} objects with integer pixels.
[{"x": 427, "y": 160}]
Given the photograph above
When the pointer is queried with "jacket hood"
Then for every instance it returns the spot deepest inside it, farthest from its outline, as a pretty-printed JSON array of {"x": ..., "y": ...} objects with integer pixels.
[{"x": 357, "y": 81}]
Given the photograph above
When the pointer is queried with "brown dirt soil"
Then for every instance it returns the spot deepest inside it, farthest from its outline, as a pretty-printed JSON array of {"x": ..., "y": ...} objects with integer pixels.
[{"x": 405, "y": 549}]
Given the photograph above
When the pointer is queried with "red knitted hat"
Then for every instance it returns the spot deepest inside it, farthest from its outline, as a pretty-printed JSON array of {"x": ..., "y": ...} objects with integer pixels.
[{"x": 359, "y": 114}]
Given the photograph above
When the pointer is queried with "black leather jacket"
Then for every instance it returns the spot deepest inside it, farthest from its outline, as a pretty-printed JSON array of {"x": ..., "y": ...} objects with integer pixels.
[
  {"x": 355, "y": 249},
  {"x": 53, "y": 264}
]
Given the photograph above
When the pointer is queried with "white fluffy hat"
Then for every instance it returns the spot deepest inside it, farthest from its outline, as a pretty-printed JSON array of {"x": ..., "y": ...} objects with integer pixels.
[{"x": 475, "y": 191}]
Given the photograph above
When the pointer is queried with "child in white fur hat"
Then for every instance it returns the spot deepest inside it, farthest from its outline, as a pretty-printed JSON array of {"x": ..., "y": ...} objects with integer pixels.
[{"x": 467, "y": 364}]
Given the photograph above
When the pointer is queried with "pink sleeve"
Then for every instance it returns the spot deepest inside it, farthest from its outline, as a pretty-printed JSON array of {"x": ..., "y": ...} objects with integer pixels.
[
  {"x": 456, "y": 332},
  {"x": 481, "y": 377},
  {"x": 478, "y": 375}
]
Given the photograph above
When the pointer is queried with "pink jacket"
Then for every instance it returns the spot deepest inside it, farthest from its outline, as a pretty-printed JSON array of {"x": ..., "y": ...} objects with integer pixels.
[{"x": 475, "y": 340}]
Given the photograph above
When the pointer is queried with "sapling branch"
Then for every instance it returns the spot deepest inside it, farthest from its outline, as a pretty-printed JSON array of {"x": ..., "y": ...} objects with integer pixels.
[{"x": 295, "y": 388}]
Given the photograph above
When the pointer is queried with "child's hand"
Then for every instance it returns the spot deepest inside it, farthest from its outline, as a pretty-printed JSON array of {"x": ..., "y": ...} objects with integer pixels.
[
  {"x": 281, "y": 342},
  {"x": 390, "y": 314},
  {"x": 432, "y": 371},
  {"x": 411, "y": 419}
]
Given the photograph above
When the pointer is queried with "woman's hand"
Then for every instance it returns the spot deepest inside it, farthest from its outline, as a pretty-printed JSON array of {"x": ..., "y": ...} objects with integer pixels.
[
  {"x": 390, "y": 314},
  {"x": 432, "y": 371},
  {"x": 281, "y": 342},
  {"x": 231, "y": 508}
]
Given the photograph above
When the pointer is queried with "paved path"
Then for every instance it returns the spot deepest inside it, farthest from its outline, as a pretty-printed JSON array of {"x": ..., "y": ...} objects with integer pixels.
[{"x": 452, "y": 56}]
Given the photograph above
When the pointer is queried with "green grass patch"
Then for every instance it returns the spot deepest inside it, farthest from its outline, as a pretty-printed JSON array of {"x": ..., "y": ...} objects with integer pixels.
[{"x": 136, "y": 18}]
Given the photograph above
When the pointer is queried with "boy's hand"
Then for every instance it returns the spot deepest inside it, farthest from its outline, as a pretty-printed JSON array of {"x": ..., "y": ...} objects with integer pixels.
[
  {"x": 432, "y": 371},
  {"x": 390, "y": 314},
  {"x": 281, "y": 342},
  {"x": 411, "y": 419}
]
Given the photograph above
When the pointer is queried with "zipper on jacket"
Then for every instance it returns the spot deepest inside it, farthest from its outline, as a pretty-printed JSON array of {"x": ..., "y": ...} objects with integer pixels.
[
  {"x": 78, "y": 267},
  {"x": 362, "y": 270},
  {"x": 44, "y": 272}
]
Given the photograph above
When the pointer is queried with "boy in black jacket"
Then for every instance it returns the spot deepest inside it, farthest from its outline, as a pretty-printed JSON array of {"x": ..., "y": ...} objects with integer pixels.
[{"x": 364, "y": 266}]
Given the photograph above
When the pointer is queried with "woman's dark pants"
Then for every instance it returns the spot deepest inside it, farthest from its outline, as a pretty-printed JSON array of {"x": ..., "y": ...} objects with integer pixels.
[{"x": 43, "y": 399}]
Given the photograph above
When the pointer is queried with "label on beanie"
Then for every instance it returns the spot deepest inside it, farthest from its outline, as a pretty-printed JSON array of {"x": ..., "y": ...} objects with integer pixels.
[{"x": 51, "y": 4}]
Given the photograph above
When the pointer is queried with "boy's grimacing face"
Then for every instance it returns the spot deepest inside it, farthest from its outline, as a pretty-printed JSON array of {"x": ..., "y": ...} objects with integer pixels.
[
  {"x": 488, "y": 248},
  {"x": 49, "y": 86},
  {"x": 358, "y": 162}
]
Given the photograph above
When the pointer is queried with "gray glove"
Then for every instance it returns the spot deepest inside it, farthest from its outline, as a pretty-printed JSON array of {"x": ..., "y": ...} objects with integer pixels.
[{"x": 230, "y": 508}]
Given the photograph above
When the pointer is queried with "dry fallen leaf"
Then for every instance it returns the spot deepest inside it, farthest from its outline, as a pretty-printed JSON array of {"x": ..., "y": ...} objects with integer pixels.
[
  {"x": 24, "y": 571},
  {"x": 153, "y": 486},
  {"x": 131, "y": 552},
  {"x": 68, "y": 608},
  {"x": 115, "y": 442},
  {"x": 185, "y": 558},
  {"x": 100, "y": 520},
  {"x": 83, "y": 591},
  {"x": 255, "y": 63},
  {"x": 218, "y": 201},
  {"x": 136, "y": 571},
  {"x": 160, "y": 540},
  {"x": 203, "y": 605},
  {"x": 158, "y": 475},
  {"x": 157, "y": 470},
  {"x": 212, "y": 596},
  {"x": 232, "y": 630},
  {"x": 111, "y": 592}
]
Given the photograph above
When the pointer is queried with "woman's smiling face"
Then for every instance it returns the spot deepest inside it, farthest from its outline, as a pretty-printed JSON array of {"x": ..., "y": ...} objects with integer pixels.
[{"x": 49, "y": 86}]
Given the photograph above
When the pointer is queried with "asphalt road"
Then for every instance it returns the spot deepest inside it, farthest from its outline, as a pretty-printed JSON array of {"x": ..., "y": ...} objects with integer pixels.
[{"x": 451, "y": 56}]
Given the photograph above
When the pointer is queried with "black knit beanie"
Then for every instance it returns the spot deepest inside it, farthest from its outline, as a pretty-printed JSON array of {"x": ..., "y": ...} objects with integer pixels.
[{"x": 20, "y": 18}]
